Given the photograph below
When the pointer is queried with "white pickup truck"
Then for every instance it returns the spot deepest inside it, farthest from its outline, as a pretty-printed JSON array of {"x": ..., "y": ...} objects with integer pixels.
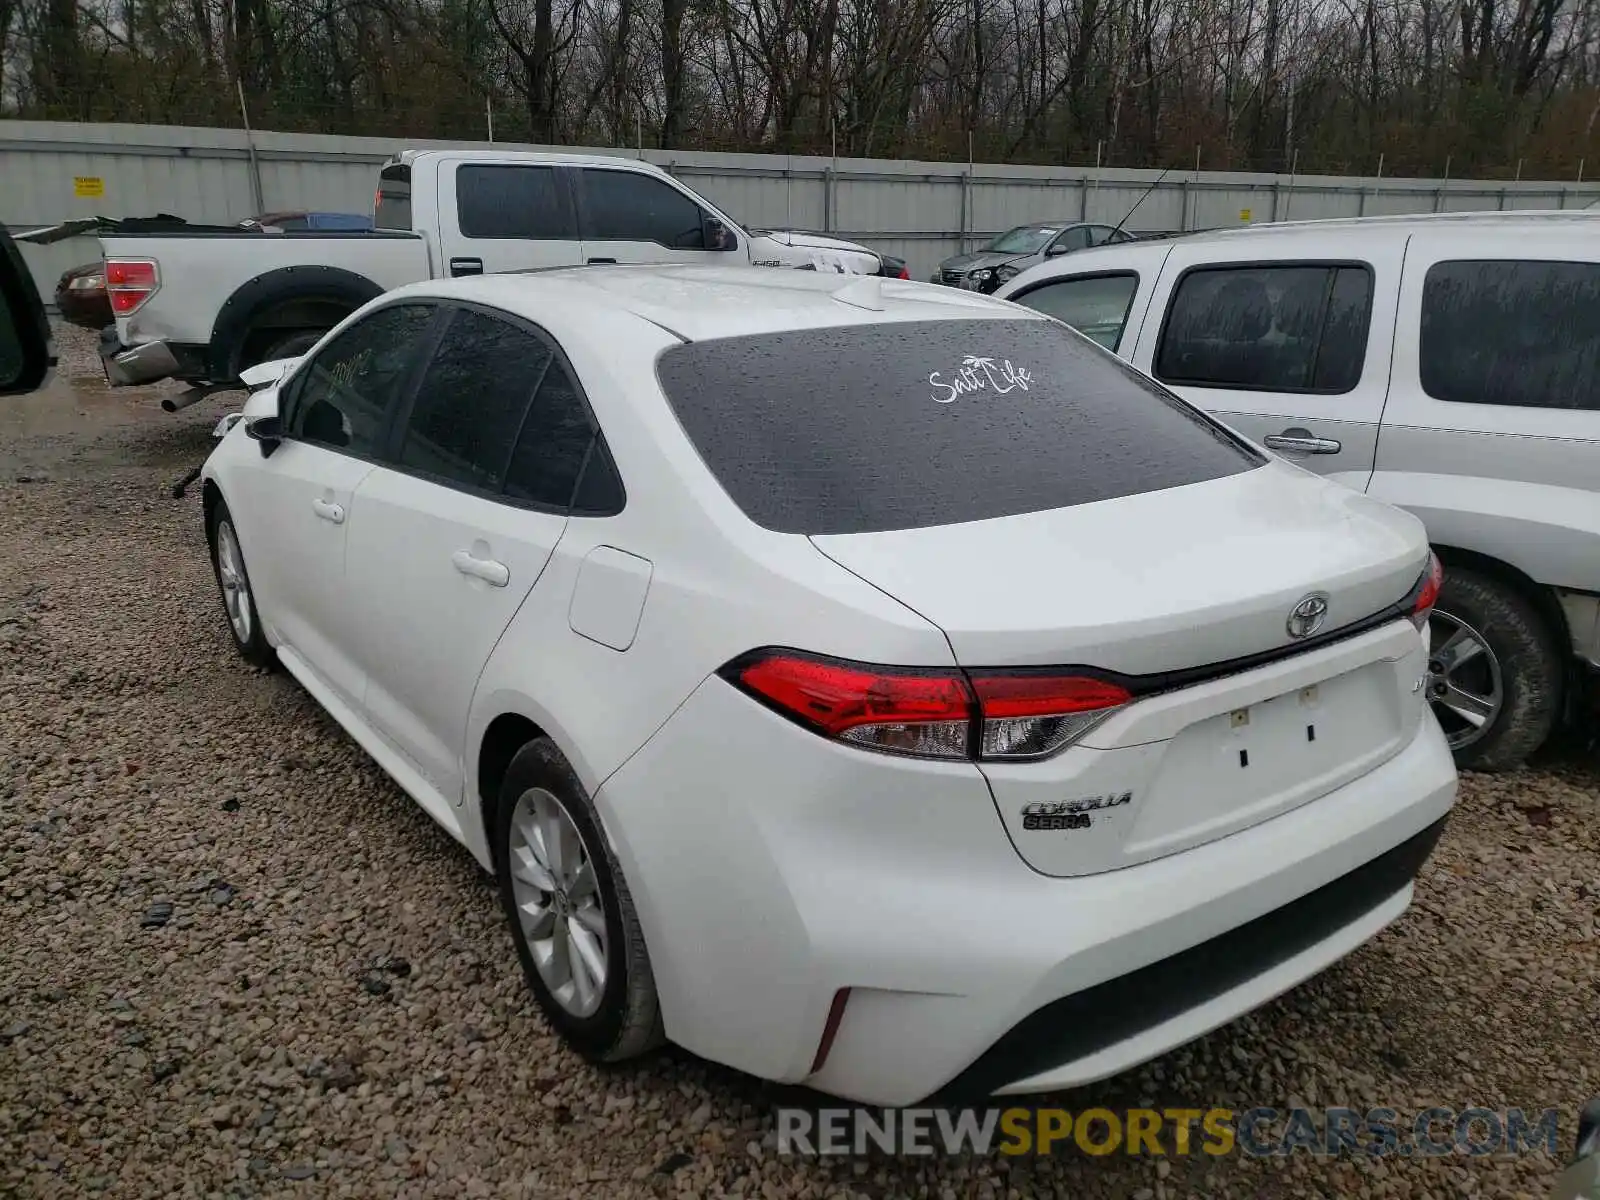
[{"x": 202, "y": 306}]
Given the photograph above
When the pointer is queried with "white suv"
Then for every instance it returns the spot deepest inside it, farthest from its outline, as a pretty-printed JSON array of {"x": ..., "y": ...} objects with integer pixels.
[
  {"x": 1446, "y": 364},
  {"x": 862, "y": 683}
]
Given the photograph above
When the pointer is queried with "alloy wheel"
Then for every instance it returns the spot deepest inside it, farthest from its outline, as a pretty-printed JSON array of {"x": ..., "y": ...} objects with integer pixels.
[
  {"x": 559, "y": 907},
  {"x": 235, "y": 584},
  {"x": 1465, "y": 684}
]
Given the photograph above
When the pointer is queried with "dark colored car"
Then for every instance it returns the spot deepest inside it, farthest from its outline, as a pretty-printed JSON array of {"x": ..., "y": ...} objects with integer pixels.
[
  {"x": 81, "y": 291},
  {"x": 1015, "y": 250},
  {"x": 81, "y": 296}
]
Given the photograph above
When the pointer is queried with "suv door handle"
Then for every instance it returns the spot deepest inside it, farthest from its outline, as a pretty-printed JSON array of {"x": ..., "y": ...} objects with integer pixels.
[
  {"x": 1300, "y": 441},
  {"x": 594, "y": 261},
  {"x": 495, "y": 574},
  {"x": 465, "y": 266},
  {"x": 328, "y": 511}
]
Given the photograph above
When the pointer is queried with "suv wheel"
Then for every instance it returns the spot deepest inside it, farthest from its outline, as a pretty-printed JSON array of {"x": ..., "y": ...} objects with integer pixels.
[
  {"x": 572, "y": 918},
  {"x": 1494, "y": 672}
]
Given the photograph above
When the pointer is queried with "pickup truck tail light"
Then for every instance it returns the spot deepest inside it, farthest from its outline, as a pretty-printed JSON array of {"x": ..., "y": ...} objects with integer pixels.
[
  {"x": 130, "y": 282},
  {"x": 991, "y": 715}
]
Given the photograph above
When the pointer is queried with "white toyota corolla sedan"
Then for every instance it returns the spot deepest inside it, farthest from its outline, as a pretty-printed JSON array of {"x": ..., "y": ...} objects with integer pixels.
[{"x": 860, "y": 683}]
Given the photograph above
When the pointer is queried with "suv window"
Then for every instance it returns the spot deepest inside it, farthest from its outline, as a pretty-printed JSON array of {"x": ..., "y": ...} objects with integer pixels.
[
  {"x": 555, "y": 441},
  {"x": 472, "y": 400},
  {"x": 1095, "y": 305},
  {"x": 512, "y": 202},
  {"x": 862, "y": 428},
  {"x": 628, "y": 206},
  {"x": 1517, "y": 333},
  {"x": 1291, "y": 327},
  {"x": 346, "y": 395}
]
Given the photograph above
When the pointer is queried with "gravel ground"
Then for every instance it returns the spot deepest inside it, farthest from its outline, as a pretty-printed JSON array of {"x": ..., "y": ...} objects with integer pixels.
[{"x": 334, "y": 1008}]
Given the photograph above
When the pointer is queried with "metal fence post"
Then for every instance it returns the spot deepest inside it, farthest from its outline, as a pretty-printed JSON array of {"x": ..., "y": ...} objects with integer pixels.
[{"x": 966, "y": 208}]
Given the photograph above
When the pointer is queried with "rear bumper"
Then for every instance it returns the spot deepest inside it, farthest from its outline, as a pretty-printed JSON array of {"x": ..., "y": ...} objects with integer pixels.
[
  {"x": 1090, "y": 1034},
  {"x": 772, "y": 868},
  {"x": 149, "y": 362}
]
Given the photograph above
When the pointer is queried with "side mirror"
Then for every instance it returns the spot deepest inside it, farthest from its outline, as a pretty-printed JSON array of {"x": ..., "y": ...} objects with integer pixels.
[
  {"x": 265, "y": 431},
  {"x": 27, "y": 354},
  {"x": 718, "y": 236},
  {"x": 1056, "y": 248}
]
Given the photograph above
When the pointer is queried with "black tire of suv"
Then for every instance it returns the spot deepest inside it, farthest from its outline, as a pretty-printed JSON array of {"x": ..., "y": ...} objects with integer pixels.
[
  {"x": 1530, "y": 667},
  {"x": 255, "y": 650},
  {"x": 628, "y": 1021}
]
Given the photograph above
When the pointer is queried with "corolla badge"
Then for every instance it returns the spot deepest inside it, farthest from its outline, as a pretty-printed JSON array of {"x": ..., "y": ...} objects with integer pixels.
[
  {"x": 979, "y": 374},
  {"x": 1307, "y": 616}
]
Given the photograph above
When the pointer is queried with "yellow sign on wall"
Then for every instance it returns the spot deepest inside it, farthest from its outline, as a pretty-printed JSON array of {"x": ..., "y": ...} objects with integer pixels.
[
  {"x": 88, "y": 187},
  {"x": 1244, "y": 214}
]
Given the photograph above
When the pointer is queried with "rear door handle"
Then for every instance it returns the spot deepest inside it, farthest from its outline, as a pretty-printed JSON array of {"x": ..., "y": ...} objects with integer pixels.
[
  {"x": 1300, "y": 441},
  {"x": 465, "y": 266},
  {"x": 593, "y": 261},
  {"x": 328, "y": 511},
  {"x": 495, "y": 574}
]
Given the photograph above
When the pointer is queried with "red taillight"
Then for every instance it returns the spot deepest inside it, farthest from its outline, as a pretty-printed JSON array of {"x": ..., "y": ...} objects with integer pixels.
[
  {"x": 1030, "y": 716},
  {"x": 1426, "y": 594},
  {"x": 905, "y": 273},
  {"x": 929, "y": 713},
  {"x": 130, "y": 282},
  {"x": 905, "y": 712}
]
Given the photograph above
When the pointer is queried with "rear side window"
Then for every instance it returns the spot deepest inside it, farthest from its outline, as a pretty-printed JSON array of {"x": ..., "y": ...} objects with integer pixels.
[
  {"x": 392, "y": 208},
  {"x": 866, "y": 428},
  {"x": 472, "y": 401},
  {"x": 628, "y": 206},
  {"x": 1280, "y": 328},
  {"x": 1076, "y": 238},
  {"x": 1095, "y": 305},
  {"x": 346, "y": 395},
  {"x": 554, "y": 442},
  {"x": 1525, "y": 334},
  {"x": 512, "y": 202}
]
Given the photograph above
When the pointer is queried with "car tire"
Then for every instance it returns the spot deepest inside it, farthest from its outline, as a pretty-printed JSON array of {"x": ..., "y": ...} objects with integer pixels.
[
  {"x": 1524, "y": 664},
  {"x": 292, "y": 346},
  {"x": 233, "y": 586},
  {"x": 625, "y": 1020}
]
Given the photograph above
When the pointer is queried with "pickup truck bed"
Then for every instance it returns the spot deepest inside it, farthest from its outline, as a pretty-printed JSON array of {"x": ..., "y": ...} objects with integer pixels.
[{"x": 311, "y": 286}]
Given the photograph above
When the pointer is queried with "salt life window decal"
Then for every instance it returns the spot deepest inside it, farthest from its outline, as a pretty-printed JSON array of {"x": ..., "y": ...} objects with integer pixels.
[{"x": 979, "y": 374}]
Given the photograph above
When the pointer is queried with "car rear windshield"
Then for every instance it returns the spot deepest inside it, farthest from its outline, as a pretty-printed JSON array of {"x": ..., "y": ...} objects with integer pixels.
[{"x": 865, "y": 428}]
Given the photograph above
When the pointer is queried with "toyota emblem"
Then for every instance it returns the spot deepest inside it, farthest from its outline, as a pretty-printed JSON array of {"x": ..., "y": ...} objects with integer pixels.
[{"x": 1307, "y": 616}]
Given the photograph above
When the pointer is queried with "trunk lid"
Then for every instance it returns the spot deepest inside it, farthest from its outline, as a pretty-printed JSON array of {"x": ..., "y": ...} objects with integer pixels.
[
  {"x": 1161, "y": 581},
  {"x": 1171, "y": 588}
]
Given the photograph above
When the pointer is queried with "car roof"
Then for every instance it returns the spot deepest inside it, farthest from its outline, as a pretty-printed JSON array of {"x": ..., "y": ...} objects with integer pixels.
[
  {"x": 1284, "y": 234},
  {"x": 551, "y": 157},
  {"x": 1513, "y": 220},
  {"x": 698, "y": 303}
]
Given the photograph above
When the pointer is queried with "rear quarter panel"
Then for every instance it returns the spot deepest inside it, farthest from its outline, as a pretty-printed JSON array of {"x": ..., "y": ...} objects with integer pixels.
[{"x": 1518, "y": 484}]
